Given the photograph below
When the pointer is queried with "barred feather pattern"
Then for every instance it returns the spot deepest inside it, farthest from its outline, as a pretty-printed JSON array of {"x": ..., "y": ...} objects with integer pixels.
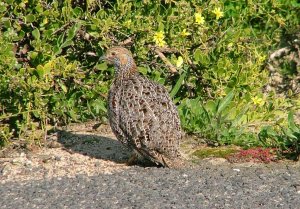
[{"x": 142, "y": 114}]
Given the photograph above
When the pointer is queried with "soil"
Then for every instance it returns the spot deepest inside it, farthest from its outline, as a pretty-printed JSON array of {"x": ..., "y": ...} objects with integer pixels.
[
  {"x": 73, "y": 150},
  {"x": 88, "y": 149}
]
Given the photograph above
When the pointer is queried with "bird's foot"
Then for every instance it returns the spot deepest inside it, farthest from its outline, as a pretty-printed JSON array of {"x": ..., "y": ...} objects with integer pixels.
[{"x": 133, "y": 159}]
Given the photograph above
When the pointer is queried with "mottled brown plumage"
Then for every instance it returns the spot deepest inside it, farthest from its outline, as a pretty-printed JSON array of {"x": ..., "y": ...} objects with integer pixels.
[{"x": 141, "y": 112}]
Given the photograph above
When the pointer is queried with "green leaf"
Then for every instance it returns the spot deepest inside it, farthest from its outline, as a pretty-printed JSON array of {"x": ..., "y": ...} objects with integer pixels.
[
  {"x": 60, "y": 39},
  {"x": 177, "y": 85},
  {"x": 211, "y": 106},
  {"x": 197, "y": 55},
  {"x": 72, "y": 31},
  {"x": 33, "y": 55},
  {"x": 225, "y": 101},
  {"x": 77, "y": 11},
  {"x": 99, "y": 105},
  {"x": 2, "y": 8},
  {"x": 73, "y": 115},
  {"x": 39, "y": 8},
  {"x": 40, "y": 71},
  {"x": 36, "y": 34},
  {"x": 57, "y": 50},
  {"x": 102, "y": 66},
  {"x": 206, "y": 113},
  {"x": 21, "y": 34},
  {"x": 240, "y": 115},
  {"x": 290, "y": 133},
  {"x": 291, "y": 122},
  {"x": 143, "y": 70},
  {"x": 29, "y": 18},
  {"x": 66, "y": 43},
  {"x": 63, "y": 87}
]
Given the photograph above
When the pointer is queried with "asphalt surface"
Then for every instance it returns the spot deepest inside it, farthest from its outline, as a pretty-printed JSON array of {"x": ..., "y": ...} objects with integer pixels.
[{"x": 205, "y": 186}]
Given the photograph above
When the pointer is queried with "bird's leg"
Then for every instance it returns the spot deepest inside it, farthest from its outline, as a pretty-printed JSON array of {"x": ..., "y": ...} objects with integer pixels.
[{"x": 132, "y": 159}]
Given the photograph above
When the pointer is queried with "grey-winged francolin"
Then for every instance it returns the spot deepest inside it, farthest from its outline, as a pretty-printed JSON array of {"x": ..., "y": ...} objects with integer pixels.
[{"x": 141, "y": 112}]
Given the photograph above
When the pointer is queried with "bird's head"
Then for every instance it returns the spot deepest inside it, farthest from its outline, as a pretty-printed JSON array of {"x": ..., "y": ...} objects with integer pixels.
[{"x": 122, "y": 59}]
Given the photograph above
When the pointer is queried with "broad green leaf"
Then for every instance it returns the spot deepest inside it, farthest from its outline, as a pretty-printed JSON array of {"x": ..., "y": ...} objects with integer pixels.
[
  {"x": 143, "y": 70},
  {"x": 66, "y": 43},
  {"x": 291, "y": 122},
  {"x": 72, "y": 31},
  {"x": 290, "y": 133},
  {"x": 211, "y": 106},
  {"x": 77, "y": 11},
  {"x": 63, "y": 87},
  {"x": 2, "y": 8},
  {"x": 40, "y": 71},
  {"x": 197, "y": 55},
  {"x": 240, "y": 115},
  {"x": 73, "y": 115},
  {"x": 29, "y": 18},
  {"x": 33, "y": 55},
  {"x": 99, "y": 105},
  {"x": 39, "y": 8},
  {"x": 21, "y": 34},
  {"x": 36, "y": 34},
  {"x": 47, "y": 68},
  {"x": 57, "y": 50},
  {"x": 102, "y": 66}
]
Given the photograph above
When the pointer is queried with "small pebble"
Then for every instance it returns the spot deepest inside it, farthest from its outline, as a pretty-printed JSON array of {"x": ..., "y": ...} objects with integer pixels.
[{"x": 58, "y": 158}]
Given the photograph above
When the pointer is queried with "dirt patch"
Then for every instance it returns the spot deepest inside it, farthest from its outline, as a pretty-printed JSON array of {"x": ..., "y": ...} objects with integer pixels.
[
  {"x": 78, "y": 149},
  {"x": 87, "y": 149}
]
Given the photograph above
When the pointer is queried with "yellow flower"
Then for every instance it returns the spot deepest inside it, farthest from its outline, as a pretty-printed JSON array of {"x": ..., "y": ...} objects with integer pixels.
[
  {"x": 217, "y": 11},
  {"x": 257, "y": 101},
  {"x": 127, "y": 23},
  {"x": 229, "y": 46},
  {"x": 281, "y": 21},
  {"x": 179, "y": 61},
  {"x": 199, "y": 19},
  {"x": 45, "y": 21},
  {"x": 158, "y": 38},
  {"x": 262, "y": 58},
  {"x": 185, "y": 33}
]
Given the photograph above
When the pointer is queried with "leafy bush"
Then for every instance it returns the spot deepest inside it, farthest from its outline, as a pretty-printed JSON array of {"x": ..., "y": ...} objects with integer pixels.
[
  {"x": 217, "y": 121},
  {"x": 285, "y": 139},
  {"x": 50, "y": 73}
]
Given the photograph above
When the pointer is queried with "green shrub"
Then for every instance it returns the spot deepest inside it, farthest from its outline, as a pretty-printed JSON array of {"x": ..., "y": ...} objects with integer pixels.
[
  {"x": 50, "y": 72},
  {"x": 285, "y": 139},
  {"x": 219, "y": 121}
]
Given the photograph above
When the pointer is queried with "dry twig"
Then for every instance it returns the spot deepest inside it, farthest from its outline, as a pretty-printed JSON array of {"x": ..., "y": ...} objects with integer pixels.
[
  {"x": 164, "y": 59},
  {"x": 172, "y": 50},
  {"x": 128, "y": 41}
]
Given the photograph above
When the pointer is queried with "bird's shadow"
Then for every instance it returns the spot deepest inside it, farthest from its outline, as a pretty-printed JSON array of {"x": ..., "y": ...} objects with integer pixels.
[
  {"x": 93, "y": 145},
  {"x": 100, "y": 147}
]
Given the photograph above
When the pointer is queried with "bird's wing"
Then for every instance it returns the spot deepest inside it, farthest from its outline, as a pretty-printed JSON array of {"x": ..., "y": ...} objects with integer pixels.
[
  {"x": 149, "y": 117},
  {"x": 114, "y": 113}
]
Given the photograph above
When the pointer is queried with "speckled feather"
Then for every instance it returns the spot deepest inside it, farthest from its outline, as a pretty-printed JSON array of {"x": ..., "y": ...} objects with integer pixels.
[{"x": 141, "y": 112}]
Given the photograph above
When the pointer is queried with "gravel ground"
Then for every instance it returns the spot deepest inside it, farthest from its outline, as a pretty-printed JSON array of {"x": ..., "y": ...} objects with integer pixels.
[
  {"x": 205, "y": 186},
  {"x": 85, "y": 168}
]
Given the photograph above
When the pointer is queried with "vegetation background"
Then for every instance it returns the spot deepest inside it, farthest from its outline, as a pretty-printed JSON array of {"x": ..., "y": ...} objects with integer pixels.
[{"x": 231, "y": 66}]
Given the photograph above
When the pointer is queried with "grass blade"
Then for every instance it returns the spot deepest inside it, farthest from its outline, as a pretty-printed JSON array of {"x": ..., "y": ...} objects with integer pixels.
[
  {"x": 225, "y": 102},
  {"x": 177, "y": 85}
]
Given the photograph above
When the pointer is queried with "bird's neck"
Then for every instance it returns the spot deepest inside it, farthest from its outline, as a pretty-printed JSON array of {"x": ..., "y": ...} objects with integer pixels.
[{"x": 125, "y": 68}]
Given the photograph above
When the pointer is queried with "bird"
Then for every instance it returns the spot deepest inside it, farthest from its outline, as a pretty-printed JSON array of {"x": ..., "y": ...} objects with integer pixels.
[{"x": 141, "y": 113}]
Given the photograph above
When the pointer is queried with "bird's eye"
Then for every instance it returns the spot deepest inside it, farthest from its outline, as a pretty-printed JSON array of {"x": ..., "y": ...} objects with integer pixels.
[{"x": 113, "y": 53}]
